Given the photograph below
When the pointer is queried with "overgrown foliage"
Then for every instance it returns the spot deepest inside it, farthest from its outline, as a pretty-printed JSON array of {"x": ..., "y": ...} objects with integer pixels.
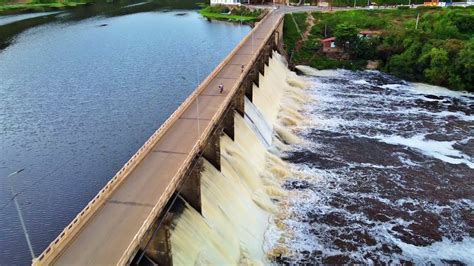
[
  {"x": 293, "y": 26},
  {"x": 440, "y": 50}
]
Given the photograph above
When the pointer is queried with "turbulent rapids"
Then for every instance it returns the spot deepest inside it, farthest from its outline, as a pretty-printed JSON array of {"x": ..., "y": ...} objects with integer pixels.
[
  {"x": 337, "y": 167},
  {"x": 385, "y": 173}
]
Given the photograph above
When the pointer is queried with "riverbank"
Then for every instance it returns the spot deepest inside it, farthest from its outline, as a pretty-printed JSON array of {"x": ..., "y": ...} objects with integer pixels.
[
  {"x": 31, "y": 7},
  {"x": 235, "y": 14},
  {"x": 431, "y": 45}
]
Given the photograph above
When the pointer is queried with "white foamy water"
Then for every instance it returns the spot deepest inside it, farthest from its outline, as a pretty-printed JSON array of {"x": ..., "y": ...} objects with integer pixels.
[
  {"x": 442, "y": 150},
  {"x": 385, "y": 173}
]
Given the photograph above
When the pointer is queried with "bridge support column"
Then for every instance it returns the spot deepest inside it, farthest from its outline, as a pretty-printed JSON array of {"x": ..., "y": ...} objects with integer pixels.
[
  {"x": 191, "y": 188},
  {"x": 267, "y": 54},
  {"x": 246, "y": 89},
  {"x": 239, "y": 100},
  {"x": 212, "y": 150},
  {"x": 228, "y": 122},
  {"x": 159, "y": 248},
  {"x": 260, "y": 64}
]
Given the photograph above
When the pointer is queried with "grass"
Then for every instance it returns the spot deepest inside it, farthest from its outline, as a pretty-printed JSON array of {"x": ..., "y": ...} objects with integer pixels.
[
  {"x": 238, "y": 13},
  {"x": 219, "y": 16},
  {"x": 293, "y": 26},
  {"x": 36, "y": 7}
]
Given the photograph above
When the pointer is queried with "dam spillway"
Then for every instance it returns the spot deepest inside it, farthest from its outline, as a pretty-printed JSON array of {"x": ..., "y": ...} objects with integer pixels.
[{"x": 237, "y": 201}]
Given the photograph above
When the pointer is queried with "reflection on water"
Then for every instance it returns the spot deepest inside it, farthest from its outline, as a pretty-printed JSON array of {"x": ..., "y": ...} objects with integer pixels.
[
  {"x": 387, "y": 172},
  {"x": 12, "y": 25},
  {"x": 4, "y": 20},
  {"x": 80, "y": 94}
]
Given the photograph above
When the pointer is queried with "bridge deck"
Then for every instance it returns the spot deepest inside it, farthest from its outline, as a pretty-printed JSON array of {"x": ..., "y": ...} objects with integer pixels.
[{"x": 111, "y": 230}]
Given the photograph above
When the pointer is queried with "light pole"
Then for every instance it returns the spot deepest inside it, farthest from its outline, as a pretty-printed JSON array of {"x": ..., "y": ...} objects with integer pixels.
[{"x": 17, "y": 206}]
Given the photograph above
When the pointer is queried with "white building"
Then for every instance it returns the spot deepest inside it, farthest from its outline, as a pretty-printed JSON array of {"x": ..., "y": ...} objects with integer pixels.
[
  {"x": 255, "y": 2},
  {"x": 226, "y": 2}
]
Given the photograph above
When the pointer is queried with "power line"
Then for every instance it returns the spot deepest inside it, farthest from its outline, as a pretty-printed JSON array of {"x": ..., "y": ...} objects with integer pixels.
[{"x": 37, "y": 182}]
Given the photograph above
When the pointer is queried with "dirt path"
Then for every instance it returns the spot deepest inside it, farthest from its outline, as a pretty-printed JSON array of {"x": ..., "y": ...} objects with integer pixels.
[{"x": 305, "y": 34}]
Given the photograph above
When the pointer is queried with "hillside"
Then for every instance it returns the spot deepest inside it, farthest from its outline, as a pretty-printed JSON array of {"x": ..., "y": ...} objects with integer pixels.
[{"x": 439, "y": 50}]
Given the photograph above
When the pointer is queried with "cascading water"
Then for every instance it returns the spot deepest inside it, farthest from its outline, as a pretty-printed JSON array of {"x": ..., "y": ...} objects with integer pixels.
[
  {"x": 380, "y": 171},
  {"x": 383, "y": 174},
  {"x": 238, "y": 202}
]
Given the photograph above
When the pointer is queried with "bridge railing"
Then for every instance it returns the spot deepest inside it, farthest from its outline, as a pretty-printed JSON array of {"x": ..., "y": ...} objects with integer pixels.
[{"x": 68, "y": 233}]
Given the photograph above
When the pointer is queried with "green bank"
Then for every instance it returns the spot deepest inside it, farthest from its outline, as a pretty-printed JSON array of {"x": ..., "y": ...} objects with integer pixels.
[
  {"x": 231, "y": 13},
  {"x": 15, "y": 7},
  {"x": 432, "y": 45}
]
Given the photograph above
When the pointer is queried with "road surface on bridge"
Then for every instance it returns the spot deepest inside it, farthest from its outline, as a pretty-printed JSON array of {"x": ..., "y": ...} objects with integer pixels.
[{"x": 110, "y": 228}]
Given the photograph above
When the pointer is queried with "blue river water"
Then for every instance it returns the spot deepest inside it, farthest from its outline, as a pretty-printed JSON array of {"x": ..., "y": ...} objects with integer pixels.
[{"x": 79, "y": 95}]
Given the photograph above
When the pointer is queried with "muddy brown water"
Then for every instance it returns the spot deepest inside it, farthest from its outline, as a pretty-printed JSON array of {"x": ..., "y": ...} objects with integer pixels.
[{"x": 390, "y": 176}]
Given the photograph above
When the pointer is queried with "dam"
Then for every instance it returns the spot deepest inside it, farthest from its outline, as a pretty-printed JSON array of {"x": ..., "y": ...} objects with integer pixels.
[
  {"x": 211, "y": 144},
  {"x": 323, "y": 167}
]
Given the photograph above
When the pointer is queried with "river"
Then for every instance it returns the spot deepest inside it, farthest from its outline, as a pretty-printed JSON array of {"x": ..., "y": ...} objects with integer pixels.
[
  {"x": 384, "y": 174},
  {"x": 80, "y": 92}
]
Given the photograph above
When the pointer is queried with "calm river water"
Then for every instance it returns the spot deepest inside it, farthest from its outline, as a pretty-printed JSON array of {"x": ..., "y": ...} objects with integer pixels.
[{"x": 79, "y": 94}]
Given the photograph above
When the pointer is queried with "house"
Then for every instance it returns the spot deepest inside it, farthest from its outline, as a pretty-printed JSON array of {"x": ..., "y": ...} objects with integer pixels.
[{"x": 329, "y": 44}]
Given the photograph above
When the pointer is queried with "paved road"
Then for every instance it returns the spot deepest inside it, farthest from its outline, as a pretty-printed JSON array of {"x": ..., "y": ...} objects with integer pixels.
[{"x": 105, "y": 237}]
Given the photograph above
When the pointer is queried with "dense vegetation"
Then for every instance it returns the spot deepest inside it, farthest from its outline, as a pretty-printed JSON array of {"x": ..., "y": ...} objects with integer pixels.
[
  {"x": 235, "y": 13},
  {"x": 440, "y": 50},
  {"x": 293, "y": 26}
]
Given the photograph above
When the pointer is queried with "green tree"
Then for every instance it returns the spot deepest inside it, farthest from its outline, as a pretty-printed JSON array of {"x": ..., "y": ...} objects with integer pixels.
[
  {"x": 438, "y": 71},
  {"x": 346, "y": 36},
  {"x": 464, "y": 65},
  {"x": 405, "y": 64}
]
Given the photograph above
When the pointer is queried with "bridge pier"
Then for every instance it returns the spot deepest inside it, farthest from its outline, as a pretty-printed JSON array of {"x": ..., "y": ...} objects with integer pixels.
[
  {"x": 228, "y": 122},
  {"x": 212, "y": 150},
  {"x": 239, "y": 100},
  {"x": 191, "y": 188},
  {"x": 157, "y": 245}
]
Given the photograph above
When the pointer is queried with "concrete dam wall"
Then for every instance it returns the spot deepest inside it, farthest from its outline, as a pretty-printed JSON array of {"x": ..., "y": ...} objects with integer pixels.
[{"x": 239, "y": 195}]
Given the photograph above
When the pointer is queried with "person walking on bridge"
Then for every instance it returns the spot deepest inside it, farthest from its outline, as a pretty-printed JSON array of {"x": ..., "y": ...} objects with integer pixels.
[
  {"x": 242, "y": 68},
  {"x": 221, "y": 88}
]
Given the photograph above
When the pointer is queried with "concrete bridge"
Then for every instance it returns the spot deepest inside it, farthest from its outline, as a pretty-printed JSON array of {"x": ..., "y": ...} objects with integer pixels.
[{"x": 130, "y": 213}]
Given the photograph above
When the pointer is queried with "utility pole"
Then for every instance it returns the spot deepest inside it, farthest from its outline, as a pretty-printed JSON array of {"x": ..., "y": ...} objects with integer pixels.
[{"x": 22, "y": 221}]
